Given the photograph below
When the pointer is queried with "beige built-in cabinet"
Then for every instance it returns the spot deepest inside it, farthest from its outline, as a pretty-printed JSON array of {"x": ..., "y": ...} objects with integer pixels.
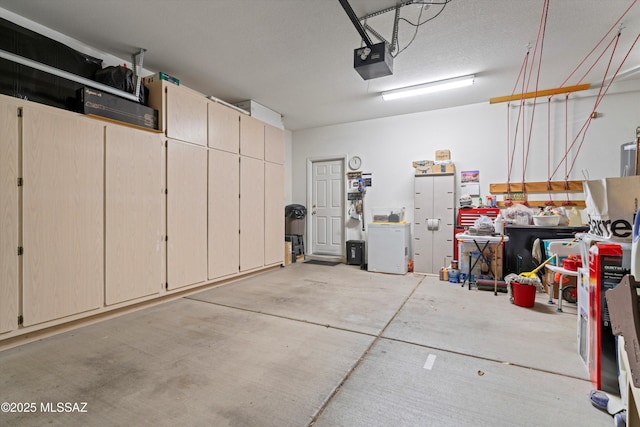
[
  {"x": 133, "y": 214},
  {"x": 224, "y": 191},
  {"x": 186, "y": 214},
  {"x": 9, "y": 149},
  {"x": 108, "y": 215},
  {"x": 62, "y": 214}
]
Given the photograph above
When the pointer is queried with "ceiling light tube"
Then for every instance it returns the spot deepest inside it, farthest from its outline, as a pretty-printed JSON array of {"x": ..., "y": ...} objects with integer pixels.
[{"x": 430, "y": 87}]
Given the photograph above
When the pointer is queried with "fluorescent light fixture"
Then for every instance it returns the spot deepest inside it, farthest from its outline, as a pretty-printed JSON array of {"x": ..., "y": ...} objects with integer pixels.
[{"x": 430, "y": 87}]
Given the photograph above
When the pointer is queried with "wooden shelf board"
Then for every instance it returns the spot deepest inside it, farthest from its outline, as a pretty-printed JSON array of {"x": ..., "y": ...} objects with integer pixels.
[
  {"x": 541, "y": 203},
  {"x": 539, "y": 94},
  {"x": 537, "y": 187}
]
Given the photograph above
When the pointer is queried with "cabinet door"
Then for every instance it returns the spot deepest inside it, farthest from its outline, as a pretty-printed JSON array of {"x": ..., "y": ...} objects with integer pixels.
[
  {"x": 422, "y": 258},
  {"x": 443, "y": 209},
  {"x": 251, "y": 137},
  {"x": 444, "y": 199},
  {"x": 224, "y": 128},
  {"x": 133, "y": 214},
  {"x": 251, "y": 213},
  {"x": 63, "y": 214},
  {"x": 224, "y": 214},
  {"x": 273, "y": 214},
  {"x": 8, "y": 215},
  {"x": 186, "y": 115},
  {"x": 186, "y": 214},
  {"x": 273, "y": 144}
]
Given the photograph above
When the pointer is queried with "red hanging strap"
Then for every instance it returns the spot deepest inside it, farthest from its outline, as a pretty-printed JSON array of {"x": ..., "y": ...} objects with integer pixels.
[
  {"x": 598, "y": 44},
  {"x": 601, "y": 96}
]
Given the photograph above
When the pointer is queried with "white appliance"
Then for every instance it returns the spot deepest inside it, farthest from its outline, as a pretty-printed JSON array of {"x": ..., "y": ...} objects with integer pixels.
[{"x": 388, "y": 247}]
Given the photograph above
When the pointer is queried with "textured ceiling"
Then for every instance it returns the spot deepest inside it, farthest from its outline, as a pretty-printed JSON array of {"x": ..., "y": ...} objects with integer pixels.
[{"x": 296, "y": 56}]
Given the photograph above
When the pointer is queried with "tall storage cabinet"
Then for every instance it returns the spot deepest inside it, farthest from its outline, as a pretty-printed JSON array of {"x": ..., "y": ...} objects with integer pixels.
[
  {"x": 63, "y": 211},
  {"x": 224, "y": 213},
  {"x": 252, "y": 221},
  {"x": 273, "y": 213},
  {"x": 252, "y": 225},
  {"x": 8, "y": 216},
  {"x": 434, "y": 212},
  {"x": 133, "y": 214},
  {"x": 186, "y": 214},
  {"x": 274, "y": 195},
  {"x": 224, "y": 191}
]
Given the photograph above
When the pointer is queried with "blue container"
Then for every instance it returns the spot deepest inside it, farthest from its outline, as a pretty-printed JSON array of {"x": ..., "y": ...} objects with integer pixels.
[{"x": 453, "y": 276}]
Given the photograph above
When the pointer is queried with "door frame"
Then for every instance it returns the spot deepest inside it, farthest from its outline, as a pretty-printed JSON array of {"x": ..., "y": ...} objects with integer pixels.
[{"x": 309, "y": 224}]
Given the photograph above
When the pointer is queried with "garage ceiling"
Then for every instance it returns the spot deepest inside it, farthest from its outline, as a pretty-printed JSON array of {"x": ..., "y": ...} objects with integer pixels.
[{"x": 296, "y": 56}]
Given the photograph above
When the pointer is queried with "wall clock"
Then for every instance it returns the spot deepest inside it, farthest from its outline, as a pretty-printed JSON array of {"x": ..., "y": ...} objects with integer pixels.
[{"x": 354, "y": 163}]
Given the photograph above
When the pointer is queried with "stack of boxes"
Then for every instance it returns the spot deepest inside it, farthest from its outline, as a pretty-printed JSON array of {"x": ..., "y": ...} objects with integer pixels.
[{"x": 442, "y": 164}]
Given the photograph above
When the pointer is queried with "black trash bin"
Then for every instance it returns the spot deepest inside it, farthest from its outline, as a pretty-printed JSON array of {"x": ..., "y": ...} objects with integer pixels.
[
  {"x": 294, "y": 219},
  {"x": 355, "y": 252}
]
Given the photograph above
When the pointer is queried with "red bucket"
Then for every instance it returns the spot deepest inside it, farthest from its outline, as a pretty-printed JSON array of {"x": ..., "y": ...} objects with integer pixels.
[{"x": 523, "y": 295}]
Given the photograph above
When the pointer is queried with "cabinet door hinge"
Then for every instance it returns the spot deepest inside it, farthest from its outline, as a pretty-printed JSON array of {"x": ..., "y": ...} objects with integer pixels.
[
  {"x": 166, "y": 191},
  {"x": 166, "y": 238},
  {"x": 19, "y": 111},
  {"x": 20, "y": 320},
  {"x": 166, "y": 285},
  {"x": 20, "y": 250},
  {"x": 20, "y": 181}
]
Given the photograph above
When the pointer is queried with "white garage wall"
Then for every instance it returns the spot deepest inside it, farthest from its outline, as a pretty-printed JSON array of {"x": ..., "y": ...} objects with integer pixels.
[{"x": 477, "y": 137}]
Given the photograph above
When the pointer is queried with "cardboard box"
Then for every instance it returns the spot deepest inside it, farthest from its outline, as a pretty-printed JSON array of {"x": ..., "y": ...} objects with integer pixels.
[
  {"x": 161, "y": 76},
  {"x": 92, "y": 101},
  {"x": 288, "y": 253},
  {"x": 436, "y": 169},
  {"x": 422, "y": 164},
  {"x": 443, "y": 155},
  {"x": 547, "y": 280}
]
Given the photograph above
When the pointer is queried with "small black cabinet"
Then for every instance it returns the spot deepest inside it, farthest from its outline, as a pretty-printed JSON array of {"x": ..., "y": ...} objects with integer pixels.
[
  {"x": 355, "y": 252},
  {"x": 521, "y": 237}
]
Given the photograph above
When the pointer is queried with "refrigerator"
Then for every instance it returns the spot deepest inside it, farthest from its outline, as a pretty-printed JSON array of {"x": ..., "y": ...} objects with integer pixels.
[{"x": 388, "y": 247}]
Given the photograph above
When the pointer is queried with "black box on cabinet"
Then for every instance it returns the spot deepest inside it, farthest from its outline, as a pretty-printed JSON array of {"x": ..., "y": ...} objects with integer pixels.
[{"x": 92, "y": 101}]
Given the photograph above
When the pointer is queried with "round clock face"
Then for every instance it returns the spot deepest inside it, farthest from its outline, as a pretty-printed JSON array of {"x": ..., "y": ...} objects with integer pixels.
[{"x": 354, "y": 163}]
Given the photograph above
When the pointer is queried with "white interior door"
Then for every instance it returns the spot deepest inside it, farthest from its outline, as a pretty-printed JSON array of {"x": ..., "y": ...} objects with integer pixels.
[{"x": 327, "y": 207}]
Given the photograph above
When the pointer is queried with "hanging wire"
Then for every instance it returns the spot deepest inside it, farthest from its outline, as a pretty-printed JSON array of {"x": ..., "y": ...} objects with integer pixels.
[
  {"x": 415, "y": 32},
  {"x": 444, "y": 4},
  {"x": 508, "y": 199},
  {"x": 550, "y": 201},
  {"x": 419, "y": 24},
  {"x": 510, "y": 161},
  {"x": 540, "y": 38},
  {"x": 601, "y": 92}
]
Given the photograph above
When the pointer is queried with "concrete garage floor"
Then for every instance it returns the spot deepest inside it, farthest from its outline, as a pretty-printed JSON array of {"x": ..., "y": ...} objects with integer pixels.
[{"x": 313, "y": 345}]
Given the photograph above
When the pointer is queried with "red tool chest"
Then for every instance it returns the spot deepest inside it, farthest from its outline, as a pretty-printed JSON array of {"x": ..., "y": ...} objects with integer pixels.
[{"x": 467, "y": 217}]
